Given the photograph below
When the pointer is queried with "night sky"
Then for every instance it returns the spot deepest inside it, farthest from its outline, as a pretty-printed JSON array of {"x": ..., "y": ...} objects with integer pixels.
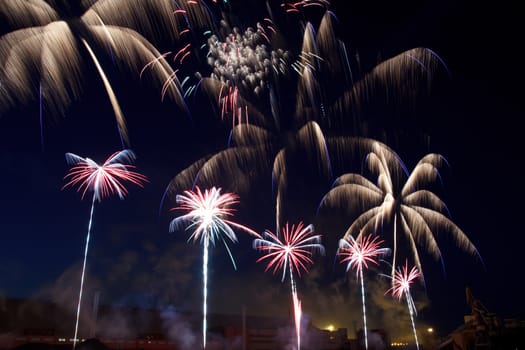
[{"x": 472, "y": 116}]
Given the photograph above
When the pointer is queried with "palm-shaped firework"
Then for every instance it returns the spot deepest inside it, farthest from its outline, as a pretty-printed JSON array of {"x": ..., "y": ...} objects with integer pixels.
[
  {"x": 207, "y": 214},
  {"x": 408, "y": 206},
  {"x": 357, "y": 255},
  {"x": 285, "y": 107},
  {"x": 401, "y": 282},
  {"x": 292, "y": 252},
  {"x": 246, "y": 67},
  {"x": 51, "y": 39},
  {"x": 103, "y": 180}
]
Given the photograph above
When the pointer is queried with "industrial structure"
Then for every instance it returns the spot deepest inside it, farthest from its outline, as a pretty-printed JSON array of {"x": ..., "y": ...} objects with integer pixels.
[{"x": 484, "y": 330}]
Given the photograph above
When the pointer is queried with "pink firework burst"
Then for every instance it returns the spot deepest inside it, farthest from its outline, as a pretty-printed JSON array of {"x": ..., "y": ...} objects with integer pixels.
[
  {"x": 106, "y": 179},
  {"x": 207, "y": 212},
  {"x": 403, "y": 278},
  {"x": 358, "y": 253},
  {"x": 294, "y": 250}
]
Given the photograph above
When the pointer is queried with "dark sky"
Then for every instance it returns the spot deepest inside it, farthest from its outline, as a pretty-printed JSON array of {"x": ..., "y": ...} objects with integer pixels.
[{"x": 471, "y": 116}]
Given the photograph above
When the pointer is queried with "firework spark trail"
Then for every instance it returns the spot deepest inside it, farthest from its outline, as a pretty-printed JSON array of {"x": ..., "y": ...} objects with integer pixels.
[
  {"x": 399, "y": 200},
  {"x": 239, "y": 61},
  {"x": 292, "y": 253},
  {"x": 298, "y": 312},
  {"x": 268, "y": 144},
  {"x": 299, "y": 6},
  {"x": 121, "y": 122},
  {"x": 47, "y": 47},
  {"x": 358, "y": 253},
  {"x": 205, "y": 289},
  {"x": 206, "y": 213},
  {"x": 104, "y": 180},
  {"x": 246, "y": 68},
  {"x": 401, "y": 287}
]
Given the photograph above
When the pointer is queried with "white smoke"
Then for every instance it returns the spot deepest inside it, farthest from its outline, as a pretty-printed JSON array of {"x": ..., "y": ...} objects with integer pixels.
[{"x": 178, "y": 329}]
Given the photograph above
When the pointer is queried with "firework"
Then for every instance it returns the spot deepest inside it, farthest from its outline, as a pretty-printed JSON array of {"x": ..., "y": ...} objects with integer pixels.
[
  {"x": 103, "y": 180},
  {"x": 292, "y": 253},
  {"x": 283, "y": 102},
  {"x": 245, "y": 69},
  {"x": 299, "y": 6},
  {"x": 244, "y": 64},
  {"x": 401, "y": 282},
  {"x": 357, "y": 255},
  {"x": 409, "y": 206},
  {"x": 48, "y": 51},
  {"x": 207, "y": 213},
  {"x": 239, "y": 66}
]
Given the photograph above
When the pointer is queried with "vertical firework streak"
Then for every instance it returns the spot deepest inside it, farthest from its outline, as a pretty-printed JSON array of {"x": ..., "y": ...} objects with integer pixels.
[
  {"x": 359, "y": 253},
  {"x": 207, "y": 212},
  {"x": 104, "y": 180},
  {"x": 205, "y": 289},
  {"x": 298, "y": 312},
  {"x": 401, "y": 286},
  {"x": 292, "y": 252}
]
